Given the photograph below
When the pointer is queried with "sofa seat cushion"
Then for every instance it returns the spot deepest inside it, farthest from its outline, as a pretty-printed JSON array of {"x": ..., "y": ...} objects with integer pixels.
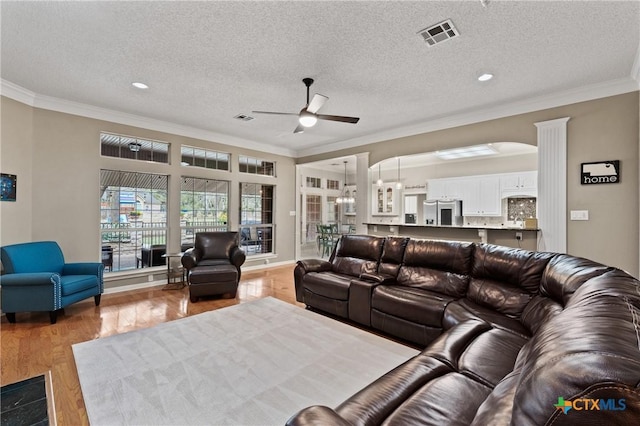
[
  {"x": 464, "y": 309},
  {"x": 452, "y": 399},
  {"x": 72, "y": 284},
  {"x": 207, "y": 274},
  {"x": 328, "y": 284},
  {"x": 378, "y": 401},
  {"x": 213, "y": 262},
  {"x": 412, "y": 304},
  {"x": 491, "y": 356},
  {"x": 427, "y": 389}
]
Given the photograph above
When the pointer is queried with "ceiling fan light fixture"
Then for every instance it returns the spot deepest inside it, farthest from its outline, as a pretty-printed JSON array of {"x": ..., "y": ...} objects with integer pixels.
[{"x": 307, "y": 119}]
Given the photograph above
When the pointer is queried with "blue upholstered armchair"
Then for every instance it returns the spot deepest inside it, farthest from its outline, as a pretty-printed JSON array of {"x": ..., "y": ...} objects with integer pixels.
[{"x": 37, "y": 279}]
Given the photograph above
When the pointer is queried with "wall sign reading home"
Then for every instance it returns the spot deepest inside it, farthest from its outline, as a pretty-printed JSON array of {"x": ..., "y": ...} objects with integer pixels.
[{"x": 600, "y": 172}]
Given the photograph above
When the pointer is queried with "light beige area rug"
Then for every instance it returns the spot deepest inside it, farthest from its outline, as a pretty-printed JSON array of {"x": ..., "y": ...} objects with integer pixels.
[{"x": 255, "y": 363}]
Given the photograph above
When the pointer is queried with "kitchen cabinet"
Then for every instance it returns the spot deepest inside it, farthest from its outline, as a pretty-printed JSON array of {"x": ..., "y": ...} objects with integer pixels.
[
  {"x": 481, "y": 196},
  {"x": 521, "y": 183},
  {"x": 350, "y": 191},
  {"x": 445, "y": 189},
  {"x": 385, "y": 200}
]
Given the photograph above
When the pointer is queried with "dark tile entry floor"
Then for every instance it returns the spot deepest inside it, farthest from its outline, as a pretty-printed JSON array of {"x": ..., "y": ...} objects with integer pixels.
[{"x": 24, "y": 403}]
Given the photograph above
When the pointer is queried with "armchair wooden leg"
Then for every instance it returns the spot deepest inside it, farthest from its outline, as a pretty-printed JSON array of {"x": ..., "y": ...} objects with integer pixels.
[
  {"x": 53, "y": 316},
  {"x": 11, "y": 317},
  {"x": 96, "y": 298}
]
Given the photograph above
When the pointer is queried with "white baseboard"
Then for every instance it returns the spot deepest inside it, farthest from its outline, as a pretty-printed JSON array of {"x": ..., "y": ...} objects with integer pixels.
[{"x": 138, "y": 286}]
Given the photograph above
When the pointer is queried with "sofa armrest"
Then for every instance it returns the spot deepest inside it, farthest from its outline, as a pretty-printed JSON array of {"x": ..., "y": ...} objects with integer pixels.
[
  {"x": 360, "y": 294},
  {"x": 30, "y": 279},
  {"x": 302, "y": 268},
  {"x": 317, "y": 415},
  {"x": 237, "y": 256},
  {"x": 314, "y": 265},
  {"x": 83, "y": 268},
  {"x": 189, "y": 259},
  {"x": 378, "y": 278}
]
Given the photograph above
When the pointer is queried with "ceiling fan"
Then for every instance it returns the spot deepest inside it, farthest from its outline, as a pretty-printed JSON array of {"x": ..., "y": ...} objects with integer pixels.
[{"x": 308, "y": 116}]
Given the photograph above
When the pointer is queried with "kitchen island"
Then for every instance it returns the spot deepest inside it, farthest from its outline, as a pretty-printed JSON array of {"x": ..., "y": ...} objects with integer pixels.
[{"x": 504, "y": 236}]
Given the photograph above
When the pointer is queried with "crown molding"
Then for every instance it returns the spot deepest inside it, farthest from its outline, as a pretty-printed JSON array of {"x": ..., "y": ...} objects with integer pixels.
[
  {"x": 17, "y": 93},
  {"x": 581, "y": 94},
  {"x": 35, "y": 100}
]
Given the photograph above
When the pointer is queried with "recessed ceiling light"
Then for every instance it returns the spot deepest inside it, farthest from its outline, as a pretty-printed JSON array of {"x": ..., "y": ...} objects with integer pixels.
[
  {"x": 485, "y": 77},
  {"x": 467, "y": 152},
  {"x": 139, "y": 85}
]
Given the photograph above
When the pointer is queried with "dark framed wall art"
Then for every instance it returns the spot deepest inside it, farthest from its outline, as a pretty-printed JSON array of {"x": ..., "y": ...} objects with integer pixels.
[{"x": 8, "y": 187}]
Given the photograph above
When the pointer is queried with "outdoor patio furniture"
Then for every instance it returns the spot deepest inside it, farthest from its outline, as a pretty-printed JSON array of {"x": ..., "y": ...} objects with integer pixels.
[{"x": 152, "y": 256}]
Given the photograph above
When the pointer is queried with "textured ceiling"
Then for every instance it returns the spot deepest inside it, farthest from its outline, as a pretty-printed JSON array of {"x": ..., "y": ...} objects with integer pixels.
[{"x": 206, "y": 62}]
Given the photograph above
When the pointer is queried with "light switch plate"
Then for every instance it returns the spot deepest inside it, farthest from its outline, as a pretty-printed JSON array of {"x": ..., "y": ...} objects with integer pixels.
[
  {"x": 292, "y": 212},
  {"x": 579, "y": 214}
]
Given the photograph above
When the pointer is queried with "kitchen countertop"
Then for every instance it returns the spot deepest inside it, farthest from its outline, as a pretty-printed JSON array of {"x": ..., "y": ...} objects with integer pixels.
[{"x": 490, "y": 227}]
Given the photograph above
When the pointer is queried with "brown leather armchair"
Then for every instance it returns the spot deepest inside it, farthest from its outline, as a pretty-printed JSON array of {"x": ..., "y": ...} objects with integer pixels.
[{"x": 213, "y": 265}]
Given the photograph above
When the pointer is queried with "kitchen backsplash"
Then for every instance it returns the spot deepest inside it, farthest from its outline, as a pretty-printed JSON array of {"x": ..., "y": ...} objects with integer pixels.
[
  {"x": 514, "y": 211},
  {"x": 521, "y": 208}
]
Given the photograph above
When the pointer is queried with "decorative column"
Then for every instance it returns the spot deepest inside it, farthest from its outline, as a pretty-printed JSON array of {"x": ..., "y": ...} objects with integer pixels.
[
  {"x": 363, "y": 192},
  {"x": 552, "y": 185}
]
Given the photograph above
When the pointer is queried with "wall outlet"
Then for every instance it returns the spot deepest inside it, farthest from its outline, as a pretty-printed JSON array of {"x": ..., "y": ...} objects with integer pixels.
[
  {"x": 375, "y": 228},
  {"x": 519, "y": 236},
  {"x": 150, "y": 278}
]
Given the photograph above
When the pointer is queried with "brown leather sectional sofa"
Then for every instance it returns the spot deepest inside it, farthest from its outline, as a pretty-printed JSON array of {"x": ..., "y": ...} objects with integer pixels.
[{"x": 512, "y": 336}]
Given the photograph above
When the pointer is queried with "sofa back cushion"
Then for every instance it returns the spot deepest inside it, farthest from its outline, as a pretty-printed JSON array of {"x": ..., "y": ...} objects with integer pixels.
[
  {"x": 392, "y": 254},
  {"x": 565, "y": 274},
  {"x": 356, "y": 254},
  {"x": 505, "y": 279},
  {"x": 215, "y": 245},
  {"x": 441, "y": 266},
  {"x": 40, "y": 256}
]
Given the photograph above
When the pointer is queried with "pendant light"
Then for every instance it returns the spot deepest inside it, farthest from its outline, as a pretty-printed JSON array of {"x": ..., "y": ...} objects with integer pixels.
[
  {"x": 343, "y": 197},
  {"x": 379, "y": 182},
  {"x": 398, "y": 183}
]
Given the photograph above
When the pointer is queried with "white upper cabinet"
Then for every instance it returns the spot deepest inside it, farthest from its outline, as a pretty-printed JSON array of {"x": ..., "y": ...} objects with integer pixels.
[
  {"x": 350, "y": 192},
  {"x": 482, "y": 196},
  {"x": 385, "y": 200},
  {"x": 521, "y": 183},
  {"x": 445, "y": 189}
]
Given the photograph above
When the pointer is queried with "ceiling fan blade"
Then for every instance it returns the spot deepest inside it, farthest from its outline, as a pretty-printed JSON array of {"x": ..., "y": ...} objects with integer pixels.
[
  {"x": 299, "y": 129},
  {"x": 340, "y": 118},
  {"x": 316, "y": 103},
  {"x": 274, "y": 113}
]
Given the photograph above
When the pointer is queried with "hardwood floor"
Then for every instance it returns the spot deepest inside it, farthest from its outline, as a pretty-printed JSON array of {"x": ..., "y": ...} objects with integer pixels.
[{"x": 32, "y": 346}]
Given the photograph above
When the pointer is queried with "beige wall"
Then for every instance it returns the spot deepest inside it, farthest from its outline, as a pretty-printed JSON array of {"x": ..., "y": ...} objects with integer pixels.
[
  {"x": 56, "y": 157},
  {"x": 16, "y": 157},
  {"x": 602, "y": 129},
  {"x": 66, "y": 163}
]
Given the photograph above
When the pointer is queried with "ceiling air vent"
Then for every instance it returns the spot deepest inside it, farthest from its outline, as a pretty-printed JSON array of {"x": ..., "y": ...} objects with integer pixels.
[
  {"x": 438, "y": 33},
  {"x": 243, "y": 117}
]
